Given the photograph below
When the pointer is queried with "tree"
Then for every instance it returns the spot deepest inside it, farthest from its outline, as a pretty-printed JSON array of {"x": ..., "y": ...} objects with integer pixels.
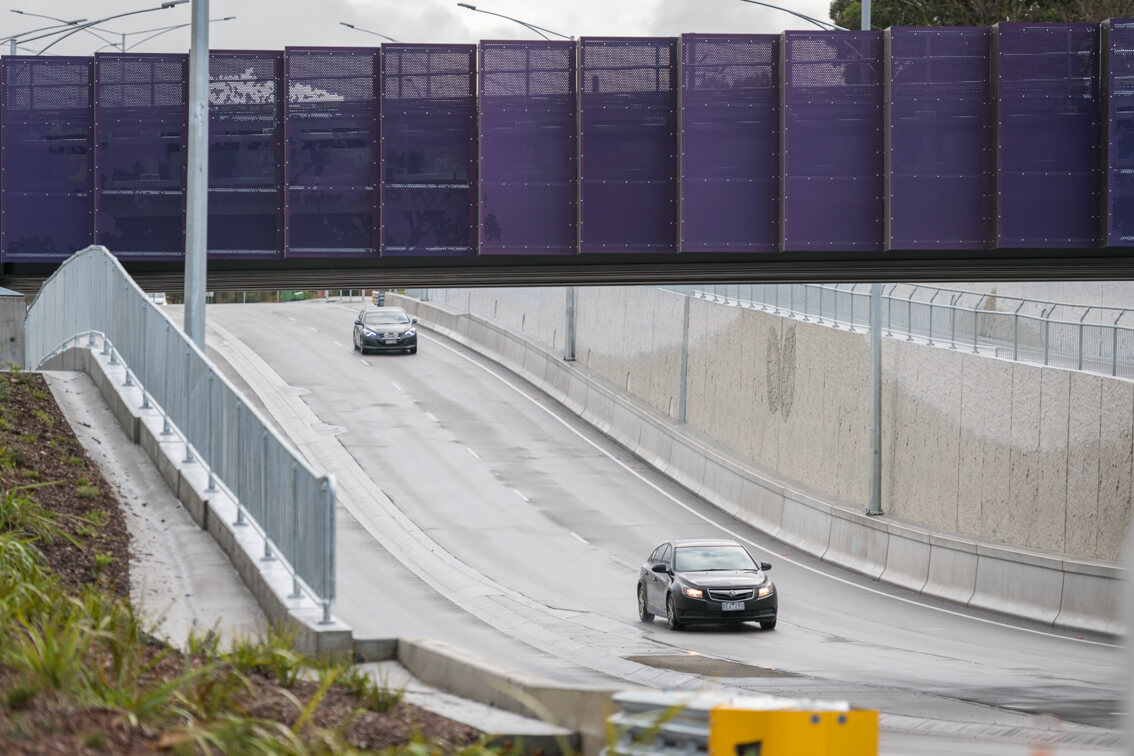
[{"x": 885, "y": 13}]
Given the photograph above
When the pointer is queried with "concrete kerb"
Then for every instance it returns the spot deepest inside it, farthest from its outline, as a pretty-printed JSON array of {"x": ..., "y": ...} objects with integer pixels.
[
  {"x": 1068, "y": 593},
  {"x": 269, "y": 581}
]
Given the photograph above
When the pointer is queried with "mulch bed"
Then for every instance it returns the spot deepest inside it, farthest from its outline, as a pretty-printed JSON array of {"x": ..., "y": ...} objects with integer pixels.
[{"x": 36, "y": 436}]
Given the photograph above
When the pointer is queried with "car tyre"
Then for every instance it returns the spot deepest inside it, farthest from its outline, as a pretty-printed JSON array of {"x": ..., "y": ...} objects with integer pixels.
[
  {"x": 643, "y": 615},
  {"x": 354, "y": 343},
  {"x": 768, "y": 624},
  {"x": 671, "y": 614}
]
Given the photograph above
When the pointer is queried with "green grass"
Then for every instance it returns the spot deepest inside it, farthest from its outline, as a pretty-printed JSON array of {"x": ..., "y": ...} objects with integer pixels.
[
  {"x": 43, "y": 417},
  {"x": 36, "y": 394},
  {"x": 87, "y": 492}
]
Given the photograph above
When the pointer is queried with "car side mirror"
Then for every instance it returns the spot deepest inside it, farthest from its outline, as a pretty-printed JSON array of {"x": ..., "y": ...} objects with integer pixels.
[
  {"x": 765, "y": 566},
  {"x": 413, "y": 321},
  {"x": 358, "y": 322},
  {"x": 660, "y": 568}
]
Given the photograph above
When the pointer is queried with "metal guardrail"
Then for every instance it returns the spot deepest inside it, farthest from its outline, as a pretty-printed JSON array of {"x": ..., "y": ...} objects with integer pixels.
[
  {"x": 91, "y": 295},
  {"x": 1045, "y": 333}
]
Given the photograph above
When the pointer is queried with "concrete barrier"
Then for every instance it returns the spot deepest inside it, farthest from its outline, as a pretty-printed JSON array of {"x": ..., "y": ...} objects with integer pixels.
[
  {"x": 267, "y": 579},
  {"x": 1076, "y": 594}
]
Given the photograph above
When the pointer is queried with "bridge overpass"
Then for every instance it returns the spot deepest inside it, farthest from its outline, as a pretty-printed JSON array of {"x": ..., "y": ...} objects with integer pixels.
[{"x": 926, "y": 153}]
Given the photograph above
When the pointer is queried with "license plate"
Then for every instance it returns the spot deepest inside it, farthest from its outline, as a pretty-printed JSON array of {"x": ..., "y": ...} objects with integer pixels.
[
  {"x": 732, "y": 606},
  {"x": 391, "y": 341}
]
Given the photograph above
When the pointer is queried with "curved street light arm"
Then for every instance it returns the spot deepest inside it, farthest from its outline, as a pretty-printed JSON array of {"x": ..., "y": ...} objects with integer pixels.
[
  {"x": 163, "y": 6},
  {"x": 33, "y": 31},
  {"x": 537, "y": 29},
  {"x": 376, "y": 34},
  {"x": 167, "y": 29},
  {"x": 827, "y": 25}
]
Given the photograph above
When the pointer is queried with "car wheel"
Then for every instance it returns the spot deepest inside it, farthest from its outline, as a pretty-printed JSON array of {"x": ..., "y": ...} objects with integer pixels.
[
  {"x": 768, "y": 624},
  {"x": 643, "y": 615},
  {"x": 354, "y": 343},
  {"x": 671, "y": 614},
  {"x": 413, "y": 350}
]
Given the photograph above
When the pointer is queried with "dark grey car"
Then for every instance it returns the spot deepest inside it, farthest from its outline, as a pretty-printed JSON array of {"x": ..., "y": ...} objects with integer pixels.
[
  {"x": 385, "y": 329},
  {"x": 706, "y": 582}
]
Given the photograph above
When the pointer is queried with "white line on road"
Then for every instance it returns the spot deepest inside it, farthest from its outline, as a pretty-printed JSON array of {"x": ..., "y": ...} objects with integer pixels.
[
  {"x": 336, "y": 343},
  {"x": 432, "y": 417},
  {"x": 291, "y": 318},
  {"x": 740, "y": 537},
  {"x": 316, "y": 330},
  {"x": 470, "y": 451},
  {"x": 523, "y": 498},
  {"x": 579, "y": 537},
  {"x": 364, "y": 362},
  {"x": 396, "y": 386}
]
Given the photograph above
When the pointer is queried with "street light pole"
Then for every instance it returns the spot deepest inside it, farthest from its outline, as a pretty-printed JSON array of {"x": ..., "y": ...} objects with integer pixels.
[
  {"x": 197, "y": 187},
  {"x": 875, "y": 505},
  {"x": 376, "y": 34},
  {"x": 157, "y": 32},
  {"x": 87, "y": 26},
  {"x": 537, "y": 29},
  {"x": 15, "y": 38}
]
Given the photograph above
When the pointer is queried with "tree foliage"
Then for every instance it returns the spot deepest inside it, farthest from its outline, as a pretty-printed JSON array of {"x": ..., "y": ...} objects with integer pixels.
[{"x": 884, "y": 13}]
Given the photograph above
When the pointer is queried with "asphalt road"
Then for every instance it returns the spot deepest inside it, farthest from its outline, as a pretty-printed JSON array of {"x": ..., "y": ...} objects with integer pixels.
[{"x": 512, "y": 485}]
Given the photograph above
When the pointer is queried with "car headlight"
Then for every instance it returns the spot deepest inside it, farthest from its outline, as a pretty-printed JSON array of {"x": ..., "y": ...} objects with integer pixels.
[
  {"x": 371, "y": 334},
  {"x": 409, "y": 333},
  {"x": 692, "y": 592},
  {"x": 766, "y": 590}
]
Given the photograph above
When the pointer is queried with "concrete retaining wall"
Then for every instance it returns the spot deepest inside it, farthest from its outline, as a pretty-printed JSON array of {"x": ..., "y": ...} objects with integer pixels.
[
  {"x": 1058, "y": 590},
  {"x": 214, "y": 511},
  {"x": 1019, "y": 454}
]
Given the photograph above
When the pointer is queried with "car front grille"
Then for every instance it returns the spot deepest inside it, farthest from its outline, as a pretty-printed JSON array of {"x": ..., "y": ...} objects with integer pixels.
[{"x": 732, "y": 594}]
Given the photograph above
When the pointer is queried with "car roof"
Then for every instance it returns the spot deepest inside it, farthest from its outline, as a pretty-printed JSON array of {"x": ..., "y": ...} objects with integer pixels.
[
  {"x": 681, "y": 543},
  {"x": 385, "y": 309}
]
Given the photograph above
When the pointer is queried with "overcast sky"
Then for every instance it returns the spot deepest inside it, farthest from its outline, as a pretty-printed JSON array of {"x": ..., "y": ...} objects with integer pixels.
[{"x": 274, "y": 24}]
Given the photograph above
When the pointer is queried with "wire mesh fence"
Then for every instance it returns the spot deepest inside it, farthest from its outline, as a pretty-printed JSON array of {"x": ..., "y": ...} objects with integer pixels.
[{"x": 91, "y": 297}]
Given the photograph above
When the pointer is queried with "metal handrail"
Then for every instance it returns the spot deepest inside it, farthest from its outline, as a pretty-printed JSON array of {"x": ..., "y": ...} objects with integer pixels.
[
  {"x": 276, "y": 492},
  {"x": 1028, "y": 332}
]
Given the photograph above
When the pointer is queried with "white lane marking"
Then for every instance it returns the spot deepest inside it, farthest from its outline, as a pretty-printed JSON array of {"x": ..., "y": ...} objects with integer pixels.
[
  {"x": 432, "y": 417},
  {"x": 739, "y": 537},
  {"x": 470, "y": 451},
  {"x": 364, "y": 362},
  {"x": 396, "y": 386},
  {"x": 579, "y": 537},
  {"x": 336, "y": 343},
  {"x": 523, "y": 498},
  {"x": 316, "y": 330},
  {"x": 291, "y": 318}
]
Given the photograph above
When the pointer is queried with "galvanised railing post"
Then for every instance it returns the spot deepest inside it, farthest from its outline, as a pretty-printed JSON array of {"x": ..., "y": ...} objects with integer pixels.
[
  {"x": 976, "y": 321},
  {"x": 776, "y": 304},
  {"x": 791, "y": 299},
  {"x": 295, "y": 590},
  {"x": 953, "y": 321},
  {"x": 106, "y": 306},
  {"x": 264, "y": 495},
  {"x": 145, "y": 358},
  {"x": 1114, "y": 349},
  {"x": 820, "y": 318},
  {"x": 1046, "y": 333},
  {"x": 188, "y": 369},
  {"x": 890, "y": 311},
  {"x": 909, "y": 314},
  {"x": 239, "y": 462},
  {"x": 850, "y": 319},
  {"x": 1081, "y": 337},
  {"x": 930, "y": 342},
  {"x": 165, "y": 429},
  {"x": 1016, "y": 331},
  {"x": 328, "y": 551},
  {"x": 212, "y": 461}
]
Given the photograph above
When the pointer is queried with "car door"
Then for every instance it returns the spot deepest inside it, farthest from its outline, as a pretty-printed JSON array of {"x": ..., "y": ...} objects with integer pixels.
[{"x": 659, "y": 582}]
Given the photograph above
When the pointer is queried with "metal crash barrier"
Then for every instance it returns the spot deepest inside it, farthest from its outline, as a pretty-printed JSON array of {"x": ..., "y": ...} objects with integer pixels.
[{"x": 655, "y": 723}]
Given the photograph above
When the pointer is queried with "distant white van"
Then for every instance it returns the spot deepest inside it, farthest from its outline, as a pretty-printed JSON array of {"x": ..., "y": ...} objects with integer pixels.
[{"x": 158, "y": 297}]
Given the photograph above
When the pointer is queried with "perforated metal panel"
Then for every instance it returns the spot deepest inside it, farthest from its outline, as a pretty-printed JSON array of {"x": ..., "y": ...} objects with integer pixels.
[
  {"x": 939, "y": 120},
  {"x": 1119, "y": 201},
  {"x": 331, "y": 169},
  {"x": 528, "y": 148},
  {"x": 246, "y": 195},
  {"x": 45, "y": 157},
  {"x": 832, "y": 141},
  {"x": 1047, "y": 135},
  {"x": 730, "y": 143},
  {"x": 628, "y": 140},
  {"x": 141, "y": 131},
  {"x": 429, "y": 136}
]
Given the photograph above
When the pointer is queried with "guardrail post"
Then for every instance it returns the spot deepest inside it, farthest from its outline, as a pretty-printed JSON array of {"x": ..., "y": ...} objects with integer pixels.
[
  {"x": 1016, "y": 331},
  {"x": 1046, "y": 334},
  {"x": 145, "y": 358},
  {"x": 890, "y": 311},
  {"x": 1081, "y": 337},
  {"x": 820, "y": 318},
  {"x": 210, "y": 430},
  {"x": 188, "y": 366},
  {"x": 976, "y": 322},
  {"x": 1114, "y": 348},
  {"x": 239, "y": 461},
  {"x": 264, "y": 495},
  {"x": 909, "y": 314},
  {"x": 295, "y": 591},
  {"x": 165, "y": 429},
  {"x": 106, "y": 307},
  {"x": 953, "y": 322},
  {"x": 850, "y": 320},
  {"x": 328, "y": 551}
]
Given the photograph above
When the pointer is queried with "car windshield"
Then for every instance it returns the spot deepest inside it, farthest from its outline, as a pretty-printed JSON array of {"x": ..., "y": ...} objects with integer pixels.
[
  {"x": 705, "y": 558},
  {"x": 385, "y": 318}
]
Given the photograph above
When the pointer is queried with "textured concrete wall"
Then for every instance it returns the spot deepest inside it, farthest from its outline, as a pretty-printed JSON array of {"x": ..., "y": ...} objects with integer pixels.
[
  {"x": 12, "y": 309},
  {"x": 1016, "y": 453}
]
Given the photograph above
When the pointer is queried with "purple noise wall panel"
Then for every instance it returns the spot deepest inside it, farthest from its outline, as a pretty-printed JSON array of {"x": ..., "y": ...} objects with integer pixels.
[
  {"x": 1047, "y": 135},
  {"x": 628, "y": 136},
  {"x": 141, "y": 136},
  {"x": 331, "y": 151},
  {"x": 245, "y": 153},
  {"x": 939, "y": 121},
  {"x": 429, "y": 152},
  {"x": 1119, "y": 202},
  {"x": 46, "y": 157},
  {"x": 730, "y": 143},
  {"x": 528, "y": 148},
  {"x": 833, "y": 181}
]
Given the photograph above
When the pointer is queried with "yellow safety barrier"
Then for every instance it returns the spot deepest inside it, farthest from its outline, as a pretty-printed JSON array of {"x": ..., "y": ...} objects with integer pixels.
[{"x": 752, "y": 732}]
